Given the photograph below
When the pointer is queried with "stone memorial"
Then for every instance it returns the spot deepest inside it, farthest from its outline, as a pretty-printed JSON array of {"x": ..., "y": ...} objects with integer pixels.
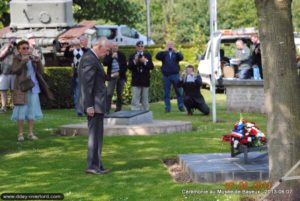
[
  {"x": 129, "y": 117},
  {"x": 129, "y": 123}
]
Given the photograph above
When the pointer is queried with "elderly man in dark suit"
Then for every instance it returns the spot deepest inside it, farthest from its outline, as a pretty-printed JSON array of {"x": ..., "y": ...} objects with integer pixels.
[{"x": 93, "y": 100}]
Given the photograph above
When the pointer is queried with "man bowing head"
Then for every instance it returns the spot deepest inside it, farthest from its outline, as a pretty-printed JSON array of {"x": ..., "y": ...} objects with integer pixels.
[{"x": 93, "y": 101}]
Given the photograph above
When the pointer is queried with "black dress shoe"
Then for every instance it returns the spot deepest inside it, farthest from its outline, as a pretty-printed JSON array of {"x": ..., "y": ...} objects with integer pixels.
[
  {"x": 190, "y": 113},
  {"x": 104, "y": 171},
  {"x": 97, "y": 172},
  {"x": 92, "y": 171},
  {"x": 182, "y": 109}
]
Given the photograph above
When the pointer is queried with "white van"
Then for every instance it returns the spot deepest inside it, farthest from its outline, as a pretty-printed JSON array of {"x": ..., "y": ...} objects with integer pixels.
[
  {"x": 223, "y": 39},
  {"x": 121, "y": 34}
]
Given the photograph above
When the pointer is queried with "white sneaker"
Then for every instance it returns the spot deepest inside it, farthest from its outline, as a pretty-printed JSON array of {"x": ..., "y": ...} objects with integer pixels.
[
  {"x": 32, "y": 137},
  {"x": 20, "y": 138}
]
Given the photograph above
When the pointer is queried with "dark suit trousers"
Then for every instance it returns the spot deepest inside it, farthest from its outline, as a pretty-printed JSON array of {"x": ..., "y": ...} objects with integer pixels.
[
  {"x": 198, "y": 103},
  {"x": 95, "y": 126}
]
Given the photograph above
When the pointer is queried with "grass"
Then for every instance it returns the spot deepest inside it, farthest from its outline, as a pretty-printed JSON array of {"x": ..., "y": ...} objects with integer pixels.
[{"x": 56, "y": 164}]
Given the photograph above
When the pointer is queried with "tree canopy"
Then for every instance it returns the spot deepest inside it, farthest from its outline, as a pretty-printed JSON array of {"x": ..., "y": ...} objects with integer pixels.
[
  {"x": 117, "y": 11},
  {"x": 183, "y": 21}
]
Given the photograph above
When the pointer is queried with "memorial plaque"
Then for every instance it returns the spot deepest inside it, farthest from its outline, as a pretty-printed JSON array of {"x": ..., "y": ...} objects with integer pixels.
[
  {"x": 129, "y": 117},
  {"x": 126, "y": 114}
]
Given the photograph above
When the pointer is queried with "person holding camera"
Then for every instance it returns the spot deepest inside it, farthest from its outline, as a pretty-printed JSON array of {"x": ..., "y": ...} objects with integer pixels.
[
  {"x": 170, "y": 59},
  {"x": 191, "y": 84},
  {"x": 34, "y": 49},
  {"x": 75, "y": 51},
  {"x": 140, "y": 63},
  {"x": 116, "y": 75},
  {"x": 7, "y": 79},
  {"x": 28, "y": 84}
]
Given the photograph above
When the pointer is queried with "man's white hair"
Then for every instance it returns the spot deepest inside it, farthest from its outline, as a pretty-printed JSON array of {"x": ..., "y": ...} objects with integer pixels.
[
  {"x": 102, "y": 41},
  {"x": 114, "y": 43},
  {"x": 75, "y": 41},
  {"x": 82, "y": 37}
]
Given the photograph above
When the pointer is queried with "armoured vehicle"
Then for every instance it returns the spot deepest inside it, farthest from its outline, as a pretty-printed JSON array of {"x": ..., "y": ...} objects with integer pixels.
[{"x": 50, "y": 22}]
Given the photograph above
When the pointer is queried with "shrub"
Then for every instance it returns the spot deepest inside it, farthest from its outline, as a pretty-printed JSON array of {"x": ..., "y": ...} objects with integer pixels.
[
  {"x": 156, "y": 90},
  {"x": 59, "y": 80}
]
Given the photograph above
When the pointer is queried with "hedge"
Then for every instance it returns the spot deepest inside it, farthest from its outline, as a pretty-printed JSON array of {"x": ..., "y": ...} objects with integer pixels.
[
  {"x": 189, "y": 52},
  {"x": 59, "y": 81}
]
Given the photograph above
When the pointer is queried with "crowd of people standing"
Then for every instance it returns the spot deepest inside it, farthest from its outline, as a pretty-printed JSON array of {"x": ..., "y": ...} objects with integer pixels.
[
  {"x": 22, "y": 68},
  {"x": 139, "y": 63}
]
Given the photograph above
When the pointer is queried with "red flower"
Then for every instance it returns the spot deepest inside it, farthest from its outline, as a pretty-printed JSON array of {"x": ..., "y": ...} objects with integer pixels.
[
  {"x": 227, "y": 138},
  {"x": 244, "y": 140}
]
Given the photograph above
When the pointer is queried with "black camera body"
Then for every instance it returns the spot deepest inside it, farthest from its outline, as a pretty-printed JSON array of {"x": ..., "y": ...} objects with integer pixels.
[{"x": 139, "y": 55}]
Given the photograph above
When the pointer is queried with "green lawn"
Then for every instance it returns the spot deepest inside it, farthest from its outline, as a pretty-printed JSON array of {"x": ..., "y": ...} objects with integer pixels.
[{"x": 56, "y": 164}]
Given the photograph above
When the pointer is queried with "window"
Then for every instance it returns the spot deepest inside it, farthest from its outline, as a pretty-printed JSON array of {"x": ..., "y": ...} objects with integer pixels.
[
  {"x": 109, "y": 33},
  {"x": 130, "y": 33}
]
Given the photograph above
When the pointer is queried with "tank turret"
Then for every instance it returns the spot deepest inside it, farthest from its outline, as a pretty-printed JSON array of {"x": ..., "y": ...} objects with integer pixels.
[
  {"x": 46, "y": 21},
  {"x": 28, "y": 14}
]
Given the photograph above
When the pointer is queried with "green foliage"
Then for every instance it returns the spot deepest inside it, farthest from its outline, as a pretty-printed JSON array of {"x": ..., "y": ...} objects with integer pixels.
[
  {"x": 182, "y": 21},
  {"x": 156, "y": 84},
  {"x": 4, "y": 13},
  {"x": 117, "y": 11},
  {"x": 188, "y": 21},
  {"x": 59, "y": 81},
  {"x": 229, "y": 14},
  {"x": 155, "y": 91},
  {"x": 296, "y": 15}
]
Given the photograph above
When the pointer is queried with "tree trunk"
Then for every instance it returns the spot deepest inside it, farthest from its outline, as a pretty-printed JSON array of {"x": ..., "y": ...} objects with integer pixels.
[{"x": 282, "y": 90}]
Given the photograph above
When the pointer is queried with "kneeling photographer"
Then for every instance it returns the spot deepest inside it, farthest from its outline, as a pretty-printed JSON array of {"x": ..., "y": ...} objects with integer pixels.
[{"x": 191, "y": 84}]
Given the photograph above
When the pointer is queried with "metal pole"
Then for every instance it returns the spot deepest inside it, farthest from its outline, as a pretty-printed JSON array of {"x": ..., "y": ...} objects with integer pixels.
[
  {"x": 148, "y": 22},
  {"x": 213, "y": 28},
  {"x": 215, "y": 15}
]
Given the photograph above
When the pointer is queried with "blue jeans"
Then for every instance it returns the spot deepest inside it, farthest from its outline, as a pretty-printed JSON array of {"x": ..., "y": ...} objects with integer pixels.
[
  {"x": 168, "y": 80},
  {"x": 76, "y": 95},
  {"x": 256, "y": 72},
  {"x": 244, "y": 73}
]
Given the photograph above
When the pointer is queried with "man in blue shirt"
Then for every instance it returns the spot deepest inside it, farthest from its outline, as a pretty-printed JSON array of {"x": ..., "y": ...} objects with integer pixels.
[{"x": 170, "y": 69}]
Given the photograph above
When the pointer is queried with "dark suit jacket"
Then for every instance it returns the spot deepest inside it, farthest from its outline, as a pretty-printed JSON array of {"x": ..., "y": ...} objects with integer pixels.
[
  {"x": 139, "y": 71},
  {"x": 170, "y": 65},
  {"x": 92, "y": 83},
  {"x": 122, "y": 63},
  {"x": 192, "y": 89}
]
